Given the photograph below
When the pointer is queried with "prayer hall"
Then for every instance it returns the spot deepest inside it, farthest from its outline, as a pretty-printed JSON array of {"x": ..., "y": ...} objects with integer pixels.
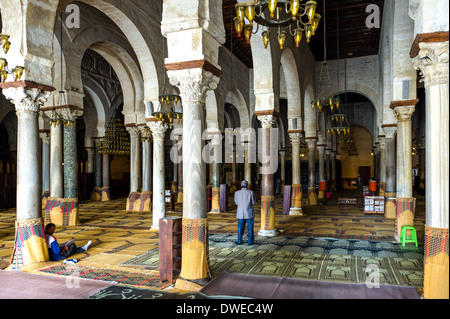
[{"x": 129, "y": 129}]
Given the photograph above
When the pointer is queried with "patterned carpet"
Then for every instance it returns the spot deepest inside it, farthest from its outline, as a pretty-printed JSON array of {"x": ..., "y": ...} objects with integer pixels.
[{"x": 330, "y": 242}]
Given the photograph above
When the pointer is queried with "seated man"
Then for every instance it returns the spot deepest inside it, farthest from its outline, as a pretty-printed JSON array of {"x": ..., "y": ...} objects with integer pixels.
[{"x": 56, "y": 252}]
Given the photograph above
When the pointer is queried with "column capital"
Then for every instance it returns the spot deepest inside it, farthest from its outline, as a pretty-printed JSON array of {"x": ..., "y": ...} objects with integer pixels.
[
  {"x": 193, "y": 83},
  {"x": 295, "y": 138},
  {"x": 146, "y": 133},
  {"x": 134, "y": 131},
  {"x": 45, "y": 137},
  {"x": 311, "y": 141},
  {"x": 321, "y": 148},
  {"x": 432, "y": 61},
  {"x": 158, "y": 129},
  {"x": 266, "y": 120},
  {"x": 404, "y": 113},
  {"x": 26, "y": 98},
  {"x": 390, "y": 130}
]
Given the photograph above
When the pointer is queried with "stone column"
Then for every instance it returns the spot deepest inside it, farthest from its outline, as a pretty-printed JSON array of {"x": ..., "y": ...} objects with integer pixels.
[
  {"x": 30, "y": 245},
  {"x": 97, "y": 193},
  {"x": 70, "y": 159},
  {"x": 147, "y": 162},
  {"x": 312, "y": 197},
  {"x": 193, "y": 85},
  {"x": 56, "y": 158},
  {"x": 215, "y": 176},
  {"x": 296, "y": 197},
  {"x": 180, "y": 172},
  {"x": 248, "y": 164},
  {"x": 283, "y": 168},
  {"x": 91, "y": 159},
  {"x": 405, "y": 203},
  {"x": 106, "y": 178},
  {"x": 432, "y": 61},
  {"x": 328, "y": 155},
  {"x": 267, "y": 185},
  {"x": 321, "y": 150},
  {"x": 390, "y": 208},
  {"x": 45, "y": 138},
  {"x": 333, "y": 171},
  {"x": 135, "y": 158},
  {"x": 382, "y": 183},
  {"x": 158, "y": 129}
]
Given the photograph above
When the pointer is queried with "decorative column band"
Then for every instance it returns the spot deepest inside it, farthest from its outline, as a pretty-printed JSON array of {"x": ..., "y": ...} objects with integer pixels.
[
  {"x": 436, "y": 262},
  {"x": 195, "y": 249},
  {"x": 215, "y": 201},
  {"x": 405, "y": 213},
  {"x": 139, "y": 202},
  {"x": 389, "y": 207},
  {"x": 30, "y": 245},
  {"x": 62, "y": 211},
  {"x": 296, "y": 196}
]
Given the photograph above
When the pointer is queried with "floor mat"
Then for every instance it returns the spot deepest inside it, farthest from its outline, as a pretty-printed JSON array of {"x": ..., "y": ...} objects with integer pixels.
[{"x": 287, "y": 288}]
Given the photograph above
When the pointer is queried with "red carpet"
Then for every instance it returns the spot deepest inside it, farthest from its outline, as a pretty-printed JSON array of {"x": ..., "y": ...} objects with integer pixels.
[{"x": 260, "y": 287}]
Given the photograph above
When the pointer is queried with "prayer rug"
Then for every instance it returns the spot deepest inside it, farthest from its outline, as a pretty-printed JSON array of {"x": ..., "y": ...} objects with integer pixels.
[
  {"x": 286, "y": 288},
  {"x": 122, "y": 277}
]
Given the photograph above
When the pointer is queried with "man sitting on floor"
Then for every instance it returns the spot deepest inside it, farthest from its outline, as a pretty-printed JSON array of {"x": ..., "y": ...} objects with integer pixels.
[
  {"x": 245, "y": 199},
  {"x": 56, "y": 252}
]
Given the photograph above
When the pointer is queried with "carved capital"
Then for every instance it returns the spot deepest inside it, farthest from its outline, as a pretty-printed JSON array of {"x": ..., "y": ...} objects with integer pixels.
[
  {"x": 404, "y": 113},
  {"x": 266, "y": 121},
  {"x": 45, "y": 137},
  {"x": 133, "y": 131},
  {"x": 389, "y": 131},
  {"x": 158, "y": 129},
  {"x": 432, "y": 61},
  {"x": 311, "y": 143},
  {"x": 26, "y": 99},
  {"x": 193, "y": 83},
  {"x": 295, "y": 138}
]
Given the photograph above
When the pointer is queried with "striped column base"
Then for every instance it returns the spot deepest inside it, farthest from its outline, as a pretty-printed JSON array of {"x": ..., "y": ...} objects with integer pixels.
[
  {"x": 45, "y": 196},
  {"x": 96, "y": 194},
  {"x": 30, "y": 245},
  {"x": 267, "y": 216},
  {"x": 215, "y": 200},
  {"x": 312, "y": 197},
  {"x": 62, "y": 211},
  {"x": 405, "y": 208},
  {"x": 195, "y": 250},
  {"x": 389, "y": 206},
  {"x": 296, "y": 200},
  {"x": 106, "y": 195},
  {"x": 180, "y": 194},
  {"x": 382, "y": 189},
  {"x": 139, "y": 202},
  {"x": 436, "y": 271}
]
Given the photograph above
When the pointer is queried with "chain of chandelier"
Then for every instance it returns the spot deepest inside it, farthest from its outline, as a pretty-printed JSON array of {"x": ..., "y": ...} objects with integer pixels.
[{"x": 281, "y": 14}]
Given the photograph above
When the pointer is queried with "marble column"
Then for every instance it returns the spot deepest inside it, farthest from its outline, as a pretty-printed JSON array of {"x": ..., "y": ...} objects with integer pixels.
[
  {"x": 215, "y": 172},
  {"x": 158, "y": 130},
  {"x": 312, "y": 197},
  {"x": 91, "y": 159},
  {"x": 180, "y": 172},
  {"x": 282, "y": 168},
  {"x": 333, "y": 171},
  {"x": 321, "y": 151},
  {"x": 135, "y": 158},
  {"x": 70, "y": 159},
  {"x": 106, "y": 178},
  {"x": 45, "y": 138},
  {"x": 389, "y": 208},
  {"x": 56, "y": 158},
  {"x": 296, "y": 197},
  {"x": 27, "y": 100},
  {"x": 248, "y": 164},
  {"x": 267, "y": 186},
  {"x": 147, "y": 160},
  {"x": 328, "y": 168},
  {"x": 97, "y": 193},
  {"x": 193, "y": 85},
  {"x": 432, "y": 60},
  {"x": 382, "y": 183}
]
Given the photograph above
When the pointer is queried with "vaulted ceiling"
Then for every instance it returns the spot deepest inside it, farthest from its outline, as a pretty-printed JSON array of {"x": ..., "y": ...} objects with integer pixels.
[{"x": 355, "y": 38}]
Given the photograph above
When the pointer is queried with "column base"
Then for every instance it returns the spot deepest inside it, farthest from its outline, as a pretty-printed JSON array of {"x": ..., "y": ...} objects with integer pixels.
[
  {"x": 45, "y": 196},
  {"x": 139, "y": 202},
  {"x": 405, "y": 207},
  {"x": 389, "y": 206},
  {"x": 30, "y": 244},
  {"x": 62, "y": 211},
  {"x": 180, "y": 195},
  {"x": 296, "y": 211},
  {"x": 214, "y": 211},
  {"x": 312, "y": 197},
  {"x": 188, "y": 285},
  {"x": 268, "y": 232},
  {"x": 155, "y": 227},
  {"x": 106, "y": 195},
  {"x": 436, "y": 263},
  {"x": 96, "y": 194}
]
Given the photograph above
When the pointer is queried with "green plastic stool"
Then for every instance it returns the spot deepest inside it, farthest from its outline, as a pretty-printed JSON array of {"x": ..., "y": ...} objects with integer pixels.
[{"x": 408, "y": 239}]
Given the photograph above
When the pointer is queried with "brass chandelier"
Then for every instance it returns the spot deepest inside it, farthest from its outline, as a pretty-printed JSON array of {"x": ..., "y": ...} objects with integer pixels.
[
  {"x": 17, "y": 72},
  {"x": 284, "y": 15},
  {"x": 169, "y": 109},
  {"x": 116, "y": 140}
]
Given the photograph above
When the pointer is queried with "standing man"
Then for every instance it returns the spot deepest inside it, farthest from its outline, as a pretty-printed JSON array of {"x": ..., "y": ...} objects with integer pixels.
[{"x": 245, "y": 199}]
